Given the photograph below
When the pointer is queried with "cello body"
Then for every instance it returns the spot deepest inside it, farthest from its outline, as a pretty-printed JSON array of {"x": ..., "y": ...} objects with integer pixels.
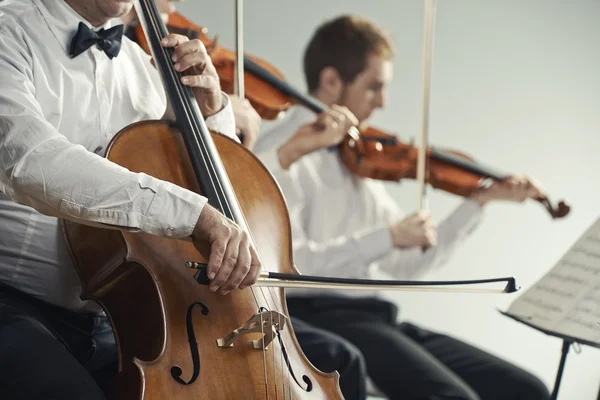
[{"x": 166, "y": 324}]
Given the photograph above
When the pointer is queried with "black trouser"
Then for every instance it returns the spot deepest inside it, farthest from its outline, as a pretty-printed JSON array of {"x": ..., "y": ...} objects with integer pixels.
[
  {"x": 407, "y": 362},
  {"x": 50, "y": 353},
  {"x": 329, "y": 352}
]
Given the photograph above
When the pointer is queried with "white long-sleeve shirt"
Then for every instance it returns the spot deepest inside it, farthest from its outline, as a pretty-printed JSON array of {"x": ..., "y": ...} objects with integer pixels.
[
  {"x": 57, "y": 116},
  {"x": 340, "y": 222}
]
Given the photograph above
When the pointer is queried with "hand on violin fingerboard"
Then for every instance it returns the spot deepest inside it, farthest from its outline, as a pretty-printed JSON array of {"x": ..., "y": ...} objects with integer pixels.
[
  {"x": 515, "y": 188},
  {"x": 247, "y": 120},
  {"x": 415, "y": 230},
  {"x": 327, "y": 130}
]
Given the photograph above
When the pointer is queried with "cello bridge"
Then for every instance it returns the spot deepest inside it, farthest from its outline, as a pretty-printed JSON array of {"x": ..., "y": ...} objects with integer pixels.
[{"x": 266, "y": 322}]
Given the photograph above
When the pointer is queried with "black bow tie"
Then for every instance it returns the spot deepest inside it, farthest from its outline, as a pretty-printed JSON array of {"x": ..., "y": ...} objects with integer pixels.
[{"x": 108, "y": 40}]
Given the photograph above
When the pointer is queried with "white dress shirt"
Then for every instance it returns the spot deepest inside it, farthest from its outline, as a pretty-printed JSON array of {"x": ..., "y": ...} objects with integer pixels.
[
  {"x": 340, "y": 222},
  {"x": 57, "y": 116}
]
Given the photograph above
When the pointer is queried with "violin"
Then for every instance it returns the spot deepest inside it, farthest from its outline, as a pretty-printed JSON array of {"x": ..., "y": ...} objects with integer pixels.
[{"x": 268, "y": 101}]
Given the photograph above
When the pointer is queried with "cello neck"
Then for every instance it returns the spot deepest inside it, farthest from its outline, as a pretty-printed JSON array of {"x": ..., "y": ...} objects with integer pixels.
[{"x": 205, "y": 160}]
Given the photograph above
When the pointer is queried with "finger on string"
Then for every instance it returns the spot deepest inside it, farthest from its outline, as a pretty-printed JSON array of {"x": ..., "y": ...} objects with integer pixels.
[
  {"x": 173, "y": 39},
  {"x": 209, "y": 83},
  {"x": 197, "y": 60},
  {"x": 192, "y": 47}
]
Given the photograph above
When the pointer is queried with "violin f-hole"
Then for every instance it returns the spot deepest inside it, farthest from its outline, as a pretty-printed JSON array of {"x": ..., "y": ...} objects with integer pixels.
[{"x": 175, "y": 370}]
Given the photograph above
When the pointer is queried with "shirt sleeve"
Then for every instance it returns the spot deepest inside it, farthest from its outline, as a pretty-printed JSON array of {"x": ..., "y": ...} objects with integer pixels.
[
  {"x": 40, "y": 168},
  {"x": 342, "y": 256},
  {"x": 223, "y": 121}
]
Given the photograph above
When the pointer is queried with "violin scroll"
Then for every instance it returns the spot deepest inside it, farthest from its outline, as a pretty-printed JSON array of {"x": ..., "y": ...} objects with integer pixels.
[{"x": 556, "y": 212}]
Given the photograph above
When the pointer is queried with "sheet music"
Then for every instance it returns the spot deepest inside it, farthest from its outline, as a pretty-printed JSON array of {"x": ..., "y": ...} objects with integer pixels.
[{"x": 567, "y": 299}]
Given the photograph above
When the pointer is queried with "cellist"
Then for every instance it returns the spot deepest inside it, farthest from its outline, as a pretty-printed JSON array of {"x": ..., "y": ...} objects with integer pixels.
[
  {"x": 68, "y": 83},
  {"x": 346, "y": 226},
  {"x": 326, "y": 350}
]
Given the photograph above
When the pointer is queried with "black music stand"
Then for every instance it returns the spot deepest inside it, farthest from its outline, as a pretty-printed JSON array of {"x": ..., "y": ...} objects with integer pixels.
[{"x": 567, "y": 342}]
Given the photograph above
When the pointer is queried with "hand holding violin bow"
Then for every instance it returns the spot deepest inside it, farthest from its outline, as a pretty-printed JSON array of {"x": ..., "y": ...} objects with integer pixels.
[{"x": 329, "y": 129}]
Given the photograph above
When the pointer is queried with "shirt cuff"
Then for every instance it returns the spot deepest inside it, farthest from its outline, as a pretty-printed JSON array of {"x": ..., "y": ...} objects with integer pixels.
[
  {"x": 223, "y": 121},
  {"x": 373, "y": 244},
  {"x": 174, "y": 212}
]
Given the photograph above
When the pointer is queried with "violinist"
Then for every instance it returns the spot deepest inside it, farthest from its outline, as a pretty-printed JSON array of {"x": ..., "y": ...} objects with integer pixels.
[
  {"x": 346, "y": 226},
  {"x": 327, "y": 351},
  {"x": 68, "y": 83},
  {"x": 247, "y": 120}
]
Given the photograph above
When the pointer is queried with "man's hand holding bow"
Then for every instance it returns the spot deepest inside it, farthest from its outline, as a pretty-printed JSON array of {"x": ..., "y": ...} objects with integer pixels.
[{"x": 192, "y": 60}]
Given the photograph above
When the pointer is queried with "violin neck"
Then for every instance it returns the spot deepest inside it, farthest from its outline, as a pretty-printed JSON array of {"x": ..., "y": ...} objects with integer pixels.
[
  {"x": 304, "y": 99},
  {"x": 465, "y": 164},
  {"x": 205, "y": 160}
]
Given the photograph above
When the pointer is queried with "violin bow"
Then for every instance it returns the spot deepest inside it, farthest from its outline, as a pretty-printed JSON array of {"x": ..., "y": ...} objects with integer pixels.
[
  {"x": 276, "y": 279},
  {"x": 428, "y": 35}
]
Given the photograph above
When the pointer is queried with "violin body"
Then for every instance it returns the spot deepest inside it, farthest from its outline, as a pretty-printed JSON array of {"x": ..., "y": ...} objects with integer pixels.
[
  {"x": 266, "y": 100},
  {"x": 166, "y": 324},
  {"x": 382, "y": 156}
]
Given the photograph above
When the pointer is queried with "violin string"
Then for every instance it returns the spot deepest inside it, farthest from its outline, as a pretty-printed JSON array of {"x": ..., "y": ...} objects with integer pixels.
[{"x": 153, "y": 23}]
